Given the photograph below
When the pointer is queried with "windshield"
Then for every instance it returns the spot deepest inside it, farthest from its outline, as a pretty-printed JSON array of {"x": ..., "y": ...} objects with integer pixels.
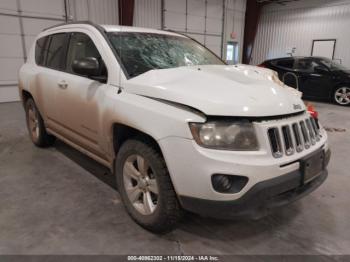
[
  {"x": 141, "y": 52},
  {"x": 333, "y": 66}
]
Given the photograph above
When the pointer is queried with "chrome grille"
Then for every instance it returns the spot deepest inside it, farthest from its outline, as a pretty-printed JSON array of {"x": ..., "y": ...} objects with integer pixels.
[
  {"x": 275, "y": 142},
  {"x": 292, "y": 138},
  {"x": 288, "y": 141}
]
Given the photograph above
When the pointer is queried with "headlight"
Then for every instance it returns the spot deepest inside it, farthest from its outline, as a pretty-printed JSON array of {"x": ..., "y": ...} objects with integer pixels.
[{"x": 237, "y": 136}]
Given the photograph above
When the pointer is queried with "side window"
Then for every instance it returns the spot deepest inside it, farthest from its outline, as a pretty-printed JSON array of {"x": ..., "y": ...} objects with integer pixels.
[
  {"x": 40, "y": 50},
  {"x": 285, "y": 63},
  {"x": 81, "y": 46},
  {"x": 306, "y": 65},
  {"x": 56, "y": 51}
]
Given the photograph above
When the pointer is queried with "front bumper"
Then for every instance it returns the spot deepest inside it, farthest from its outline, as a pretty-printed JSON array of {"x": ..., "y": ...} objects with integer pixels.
[
  {"x": 272, "y": 182},
  {"x": 259, "y": 200}
]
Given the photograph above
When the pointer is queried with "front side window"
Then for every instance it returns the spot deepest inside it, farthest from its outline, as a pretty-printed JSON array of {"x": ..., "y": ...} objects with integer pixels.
[
  {"x": 81, "y": 46},
  {"x": 331, "y": 65},
  {"x": 306, "y": 65},
  {"x": 56, "y": 52},
  {"x": 141, "y": 52}
]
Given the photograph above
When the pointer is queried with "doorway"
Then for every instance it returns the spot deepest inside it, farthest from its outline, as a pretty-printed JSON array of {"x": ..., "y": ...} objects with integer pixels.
[{"x": 232, "y": 53}]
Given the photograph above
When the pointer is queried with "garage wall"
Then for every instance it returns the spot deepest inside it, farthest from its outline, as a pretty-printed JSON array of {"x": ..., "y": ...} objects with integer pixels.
[
  {"x": 297, "y": 24},
  {"x": 148, "y": 13},
  {"x": 22, "y": 20},
  {"x": 210, "y": 22},
  {"x": 98, "y": 11},
  {"x": 234, "y": 23},
  {"x": 199, "y": 19}
]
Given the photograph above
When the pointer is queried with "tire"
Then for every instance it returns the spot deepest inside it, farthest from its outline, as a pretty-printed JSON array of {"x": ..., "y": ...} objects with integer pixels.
[
  {"x": 36, "y": 127},
  {"x": 140, "y": 172},
  {"x": 341, "y": 95}
]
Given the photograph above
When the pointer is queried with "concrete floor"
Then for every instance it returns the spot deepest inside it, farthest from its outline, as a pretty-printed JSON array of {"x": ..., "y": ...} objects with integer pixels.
[{"x": 57, "y": 201}]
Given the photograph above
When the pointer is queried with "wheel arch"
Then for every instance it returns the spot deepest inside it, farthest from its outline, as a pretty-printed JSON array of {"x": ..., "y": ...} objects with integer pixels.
[
  {"x": 127, "y": 132},
  {"x": 340, "y": 84},
  {"x": 122, "y": 132},
  {"x": 25, "y": 95}
]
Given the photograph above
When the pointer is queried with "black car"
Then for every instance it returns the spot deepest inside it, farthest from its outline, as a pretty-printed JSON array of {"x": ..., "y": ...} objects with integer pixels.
[{"x": 315, "y": 77}]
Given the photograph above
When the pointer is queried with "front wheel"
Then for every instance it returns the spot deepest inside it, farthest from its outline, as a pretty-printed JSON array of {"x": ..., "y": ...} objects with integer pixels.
[
  {"x": 145, "y": 187},
  {"x": 341, "y": 96}
]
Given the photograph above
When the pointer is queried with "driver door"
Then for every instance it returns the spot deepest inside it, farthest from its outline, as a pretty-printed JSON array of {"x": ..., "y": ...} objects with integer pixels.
[
  {"x": 314, "y": 78},
  {"x": 79, "y": 98}
]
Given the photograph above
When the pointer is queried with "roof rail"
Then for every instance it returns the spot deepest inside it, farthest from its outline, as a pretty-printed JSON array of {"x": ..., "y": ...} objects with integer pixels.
[{"x": 74, "y": 23}]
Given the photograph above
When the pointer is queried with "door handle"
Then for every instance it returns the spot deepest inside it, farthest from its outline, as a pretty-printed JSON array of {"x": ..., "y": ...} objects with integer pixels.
[{"x": 62, "y": 84}]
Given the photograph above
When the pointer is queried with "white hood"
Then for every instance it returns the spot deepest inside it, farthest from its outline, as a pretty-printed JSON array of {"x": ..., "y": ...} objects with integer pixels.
[{"x": 221, "y": 90}]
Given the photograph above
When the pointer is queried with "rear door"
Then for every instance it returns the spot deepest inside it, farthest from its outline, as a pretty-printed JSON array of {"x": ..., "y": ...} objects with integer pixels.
[
  {"x": 80, "y": 99},
  {"x": 314, "y": 79},
  {"x": 50, "y": 54}
]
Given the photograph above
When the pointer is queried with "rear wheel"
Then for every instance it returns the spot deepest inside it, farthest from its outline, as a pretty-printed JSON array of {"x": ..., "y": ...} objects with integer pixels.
[
  {"x": 341, "y": 96},
  {"x": 36, "y": 127},
  {"x": 145, "y": 187}
]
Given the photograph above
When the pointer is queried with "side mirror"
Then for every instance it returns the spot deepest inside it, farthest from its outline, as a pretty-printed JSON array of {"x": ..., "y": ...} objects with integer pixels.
[
  {"x": 88, "y": 66},
  {"x": 320, "y": 69}
]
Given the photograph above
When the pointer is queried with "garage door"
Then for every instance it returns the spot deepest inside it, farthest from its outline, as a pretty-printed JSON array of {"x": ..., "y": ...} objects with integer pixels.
[
  {"x": 20, "y": 22},
  {"x": 199, "y": 19}
]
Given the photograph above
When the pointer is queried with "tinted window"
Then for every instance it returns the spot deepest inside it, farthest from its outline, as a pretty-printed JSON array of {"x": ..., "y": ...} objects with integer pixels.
[
  {"x": 305, "y": 65},
  {"x": 40, "y": 49},
  {"x": 81, "y": 46},
  {"x": 141, "y": 52},
  {"x": 286, "y": 63},
  {"x": 56, "y": 52},
  {"x": 332, "y": 65}
]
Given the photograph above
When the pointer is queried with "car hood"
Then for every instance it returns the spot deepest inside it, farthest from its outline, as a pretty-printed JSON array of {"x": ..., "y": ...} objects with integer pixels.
[{"x": 221, "y": 90}]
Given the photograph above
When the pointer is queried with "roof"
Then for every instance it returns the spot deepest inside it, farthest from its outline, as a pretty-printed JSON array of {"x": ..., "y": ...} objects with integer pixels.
[
  {"x": 113, "y": 28},
  {"x": 118, "y": 28}
]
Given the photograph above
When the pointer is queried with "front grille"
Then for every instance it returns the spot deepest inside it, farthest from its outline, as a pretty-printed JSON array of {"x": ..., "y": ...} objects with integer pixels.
[{"x": 292, "y": 138}]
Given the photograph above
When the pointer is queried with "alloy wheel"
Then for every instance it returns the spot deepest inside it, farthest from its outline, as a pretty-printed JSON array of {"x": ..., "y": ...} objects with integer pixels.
[
  {"x": 342, "y": 95},
  {"x": 140, "y": 184}
]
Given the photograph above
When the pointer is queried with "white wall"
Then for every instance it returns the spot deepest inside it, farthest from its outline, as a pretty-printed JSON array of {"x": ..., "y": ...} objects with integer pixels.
[
  {"x": 147, "y": 13},
  {"x": 20, "y": 22},
  {"x": 200, "y": 19},
  {"x": 298, "y": 23},
  {"x": 98, "y": 11},
  {"x": 234, "y": 22}
]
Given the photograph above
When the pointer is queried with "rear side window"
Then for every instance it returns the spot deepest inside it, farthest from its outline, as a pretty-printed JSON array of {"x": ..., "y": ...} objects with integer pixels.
[
  {"x": 57, "y": 51},
  {"x": 285, "y": 63},
  {"x": 40, "y": 50}
]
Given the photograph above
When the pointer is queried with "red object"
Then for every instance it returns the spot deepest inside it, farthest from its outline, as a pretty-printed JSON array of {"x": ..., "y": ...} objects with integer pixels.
[
  {"x": 312, "y": 111},
  {"x": 126, "y": 12},
  {"x": 252, "y": 15},
  {"x": 262, "y": 65}
]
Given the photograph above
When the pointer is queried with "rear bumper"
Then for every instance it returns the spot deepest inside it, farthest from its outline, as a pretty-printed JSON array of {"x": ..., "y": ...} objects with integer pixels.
[{"x": 260, "y": 199}]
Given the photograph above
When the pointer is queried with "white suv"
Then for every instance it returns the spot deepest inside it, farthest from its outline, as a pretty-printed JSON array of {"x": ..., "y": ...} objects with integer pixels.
[{"x": 180, "y": 129}]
